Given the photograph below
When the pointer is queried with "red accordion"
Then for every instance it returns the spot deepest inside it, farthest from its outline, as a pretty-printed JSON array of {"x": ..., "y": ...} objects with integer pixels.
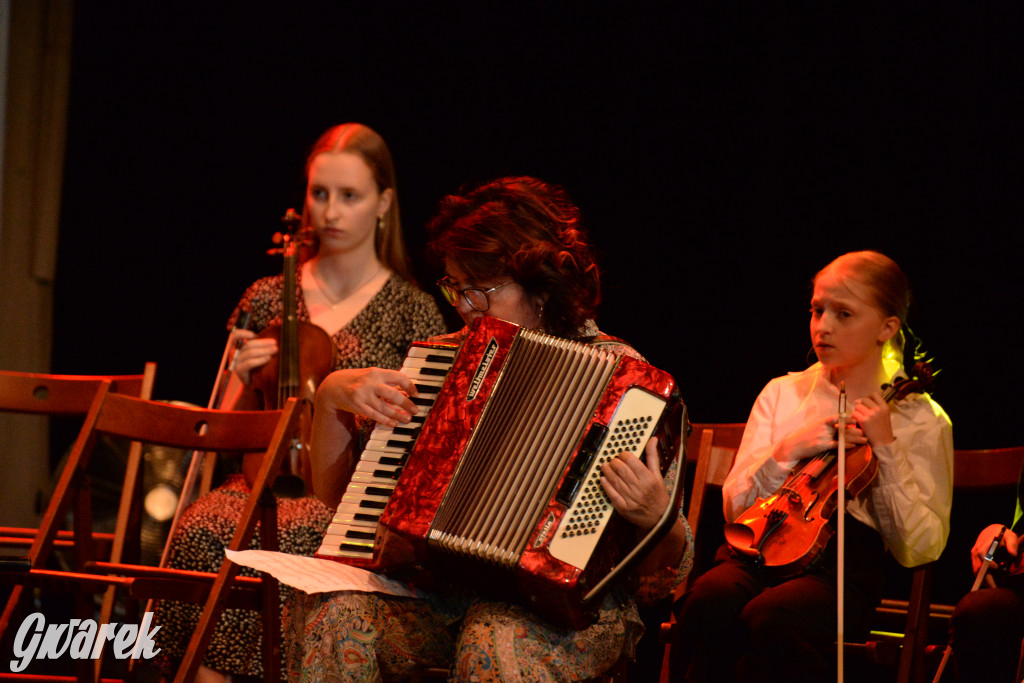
[{"x": 497, "y": 479}]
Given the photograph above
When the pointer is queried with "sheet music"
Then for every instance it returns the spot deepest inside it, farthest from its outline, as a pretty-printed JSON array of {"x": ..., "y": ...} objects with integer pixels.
[{"x": 314, "y": 575}]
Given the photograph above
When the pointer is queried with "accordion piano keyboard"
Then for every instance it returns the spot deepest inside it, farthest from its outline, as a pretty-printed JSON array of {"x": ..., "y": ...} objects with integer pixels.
[{"x": 354, "y": 526}]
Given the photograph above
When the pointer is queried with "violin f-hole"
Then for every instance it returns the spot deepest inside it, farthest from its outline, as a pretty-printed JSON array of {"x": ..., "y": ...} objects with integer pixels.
[{"x": 810, "y": 506}]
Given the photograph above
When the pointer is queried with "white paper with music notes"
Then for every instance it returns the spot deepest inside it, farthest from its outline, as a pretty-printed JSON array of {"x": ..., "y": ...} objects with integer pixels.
[{"x": 316, "y": 575}]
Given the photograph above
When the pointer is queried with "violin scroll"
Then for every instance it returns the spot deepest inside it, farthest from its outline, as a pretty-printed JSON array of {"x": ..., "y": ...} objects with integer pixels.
[
  {"x": 923, "y": 374},
  {"x": 292, "y": 236}
]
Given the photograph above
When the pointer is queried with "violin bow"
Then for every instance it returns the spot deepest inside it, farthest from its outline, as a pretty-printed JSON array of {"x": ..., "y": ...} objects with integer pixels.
[
  {"x": 840, "y": 530},
  {"x": 987, "y": 562},
  {"x": 197, "y": 458}
]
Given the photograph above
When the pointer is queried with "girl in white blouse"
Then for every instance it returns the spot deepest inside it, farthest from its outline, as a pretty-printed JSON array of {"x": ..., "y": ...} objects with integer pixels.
[{"x": 738, "y": 622}]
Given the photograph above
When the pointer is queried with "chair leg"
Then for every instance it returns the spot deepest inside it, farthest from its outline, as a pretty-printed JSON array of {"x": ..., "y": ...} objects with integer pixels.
[
  {"x": 217, "y": 598},
  {"x": 270, "y": 592},
  {"x": 1020, "y": 666},
  {"x": 915, "y": 637},
  {"x": 71, "y": 478},
  {"x": 663, "y": 677},
  {"x": 127, "y": 532}
]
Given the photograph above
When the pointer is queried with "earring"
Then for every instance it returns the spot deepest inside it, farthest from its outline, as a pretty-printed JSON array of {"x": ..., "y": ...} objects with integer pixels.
[
  {"x": 380, "y": 222},
  {"x": 812, "y": 357}
]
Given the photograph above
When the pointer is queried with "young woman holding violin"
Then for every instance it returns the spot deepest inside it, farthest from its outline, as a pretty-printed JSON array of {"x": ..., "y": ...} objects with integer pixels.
[
  {"x": 741, "y": 620},
  {"x": 356, "y": 297}
]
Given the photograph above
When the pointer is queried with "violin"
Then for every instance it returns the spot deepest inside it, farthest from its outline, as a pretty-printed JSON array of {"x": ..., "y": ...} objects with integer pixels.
[
  {"x": 786, "y": 532},
  {"x": 306, "y": 353}
]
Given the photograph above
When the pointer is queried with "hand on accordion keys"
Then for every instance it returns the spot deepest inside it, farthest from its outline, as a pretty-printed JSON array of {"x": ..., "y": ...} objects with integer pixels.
[
  {"x": 384, "y": 396},
  {"x": 636, "y": 488}
]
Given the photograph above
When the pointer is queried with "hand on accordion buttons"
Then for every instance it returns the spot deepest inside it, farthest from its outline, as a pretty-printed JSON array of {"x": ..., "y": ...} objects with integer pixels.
[
  {"x": 379, "y": 394},
  {"x": 636, "y": 488}
]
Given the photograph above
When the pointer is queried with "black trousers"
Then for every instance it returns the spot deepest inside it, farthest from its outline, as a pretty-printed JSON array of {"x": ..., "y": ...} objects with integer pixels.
[
  {"x": 736, "y": 624},
  {"x": 987, "y": 629}
]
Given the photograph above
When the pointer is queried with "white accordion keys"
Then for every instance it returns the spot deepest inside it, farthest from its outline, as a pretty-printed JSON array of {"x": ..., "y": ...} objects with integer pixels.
[{"x": 353, "y": 529}]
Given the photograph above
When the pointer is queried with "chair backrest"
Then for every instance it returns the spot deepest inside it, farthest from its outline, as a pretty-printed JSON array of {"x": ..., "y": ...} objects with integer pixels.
[
  {"x": 152, "y": 422},
  {"x": 984, "y": 490},
  {"x": 28, "y": 398},
  {"x": 44, "y": 394},
  {"x": 713, "y": 446},
  {"x": 989, "y": 468},
  {"x": 186, "y": 427},
  {"x": 975, "y": 472}
]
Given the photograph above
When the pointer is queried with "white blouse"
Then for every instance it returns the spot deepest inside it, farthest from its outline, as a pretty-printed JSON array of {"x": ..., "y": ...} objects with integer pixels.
[{"x": 908, "y": 502}]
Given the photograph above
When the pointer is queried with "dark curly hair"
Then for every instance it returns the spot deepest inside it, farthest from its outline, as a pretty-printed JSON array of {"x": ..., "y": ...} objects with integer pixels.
[{"x": 527, "y": 230}]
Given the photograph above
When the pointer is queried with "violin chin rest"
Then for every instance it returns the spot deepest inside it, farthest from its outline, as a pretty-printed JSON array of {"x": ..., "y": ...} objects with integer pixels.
[{"x": 741, "y": 538}]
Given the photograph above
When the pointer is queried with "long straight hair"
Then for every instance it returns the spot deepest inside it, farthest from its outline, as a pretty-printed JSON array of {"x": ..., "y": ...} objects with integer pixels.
[{"x": 357, "y": 138}]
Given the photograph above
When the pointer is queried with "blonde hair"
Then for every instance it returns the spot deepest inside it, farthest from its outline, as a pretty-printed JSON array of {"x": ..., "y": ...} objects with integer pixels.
[{"x": 888, "y": 287}]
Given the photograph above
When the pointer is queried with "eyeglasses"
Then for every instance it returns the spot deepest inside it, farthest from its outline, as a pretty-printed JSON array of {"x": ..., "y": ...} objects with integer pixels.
[{"x": 475, "y": 297}]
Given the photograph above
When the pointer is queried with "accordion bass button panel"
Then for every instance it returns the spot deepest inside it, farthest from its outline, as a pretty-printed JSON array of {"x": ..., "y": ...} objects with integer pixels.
[{"x": 587, "y": 515}]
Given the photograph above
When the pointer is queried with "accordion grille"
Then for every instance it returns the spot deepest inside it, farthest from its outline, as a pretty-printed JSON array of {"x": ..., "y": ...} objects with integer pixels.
[{"x": 521, "y": 446}]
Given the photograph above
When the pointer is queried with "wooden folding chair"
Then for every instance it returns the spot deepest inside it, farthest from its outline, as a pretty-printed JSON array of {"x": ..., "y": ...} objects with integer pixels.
[
  {"x": 904, "y": 650},
  {"x": 899, "y": 633},
  {"x": 991, "y": 474},
  {"x": 66, "y": 396},
  {"x": 905, "y": 631},
  {"x": 45, "y": 394},
  {"x": 180, "y": 427},
  {"x": 714, "y": 445},
  {"x": 715, "y": 448}
]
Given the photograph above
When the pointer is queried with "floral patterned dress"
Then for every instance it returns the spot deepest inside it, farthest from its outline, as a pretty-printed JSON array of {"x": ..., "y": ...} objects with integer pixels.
[
  {"x": 354, "y": 636},
  {"x": 378, "y": 336}
]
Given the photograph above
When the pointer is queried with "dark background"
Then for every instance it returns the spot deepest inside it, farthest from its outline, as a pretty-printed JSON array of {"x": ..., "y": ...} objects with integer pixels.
[{"x": 721, "y": 155}]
